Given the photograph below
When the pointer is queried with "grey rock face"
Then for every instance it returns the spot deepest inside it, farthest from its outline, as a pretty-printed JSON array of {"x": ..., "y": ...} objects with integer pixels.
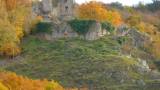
[
  {"x": 95, "y": 32},
  {"x": 62, "y": 9},
  {"x": 143, "y": 67},
  {"x": 139, "y": 39},
  {"x": 120, "y": 76},
  {"x": 66, "y": 7},
  {"x": 63, "y": 30},
  {"x": 122, "y": 30},
  {"x": 141, "y": 83},
  {"x": 46, "y": 6}
]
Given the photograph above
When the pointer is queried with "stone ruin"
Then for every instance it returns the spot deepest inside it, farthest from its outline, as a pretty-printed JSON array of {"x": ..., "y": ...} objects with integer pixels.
[
  {"x": 59, "y": 12},
  {"x": 53, "y": 9},
  {"x": 138, "y": 39},
  {"x": 64, "y": 30}
]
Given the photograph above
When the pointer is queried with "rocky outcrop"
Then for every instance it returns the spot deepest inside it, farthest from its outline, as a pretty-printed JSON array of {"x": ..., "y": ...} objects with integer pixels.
[
  {"x": 138, "y": 39},
  {"x": 93, "y": 31},
  {"x": 122, "y": 30},
  {"x": 46, "y": 6},
  {"x": 63, "y": 30}
]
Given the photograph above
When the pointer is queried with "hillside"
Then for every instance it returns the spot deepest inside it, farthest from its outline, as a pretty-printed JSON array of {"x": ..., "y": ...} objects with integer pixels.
[{"x": 76, "y": 63}]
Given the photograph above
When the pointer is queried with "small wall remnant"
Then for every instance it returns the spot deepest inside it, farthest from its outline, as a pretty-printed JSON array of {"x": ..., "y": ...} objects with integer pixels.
[
  {"x": 95, "y": 32},
  {"x": 63, "y": 30}
]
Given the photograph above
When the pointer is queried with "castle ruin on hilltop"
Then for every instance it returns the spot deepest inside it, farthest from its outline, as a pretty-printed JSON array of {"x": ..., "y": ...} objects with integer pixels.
[{"x": 58, "y": 13}]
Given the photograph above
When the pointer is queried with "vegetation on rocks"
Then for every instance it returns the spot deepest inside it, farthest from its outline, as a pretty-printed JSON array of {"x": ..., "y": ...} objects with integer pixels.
[{"x": 81, "y": 26}]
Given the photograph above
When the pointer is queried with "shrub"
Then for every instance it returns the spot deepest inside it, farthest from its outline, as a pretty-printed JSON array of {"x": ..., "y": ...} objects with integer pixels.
[
  {"x": 122, "y": 40},
  {"x": 53, "y": 86},
  {"x": 81, "y": 26},
  {"x": 2, "y": 87},
  {"x": 14, "y": 82},
  {"x": 133, "y": 20},
  {"x": 108, "y": 26},
  {"x": 42, "y": 27}
]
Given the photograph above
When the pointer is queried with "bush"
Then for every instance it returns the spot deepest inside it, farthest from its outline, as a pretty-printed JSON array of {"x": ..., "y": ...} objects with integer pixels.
[
  {"x": 108, "y": 26},
  {"x": 42, "y": 27},
  {"x": 133, "y": 20},
  {"x": 14, "y": 82},
  {"x": 81, "y": 26},
  {"x": 122, "y": 40},
  {"x": 2, "y": 87}
]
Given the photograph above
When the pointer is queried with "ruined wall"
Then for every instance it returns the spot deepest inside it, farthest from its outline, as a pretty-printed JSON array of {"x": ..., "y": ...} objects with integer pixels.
[
  {"x": 63, "y": 30},
  {"x": 46, "y": 6},
  {"x": 61, "y": 9},
  {"x": 66, "y": 7}
]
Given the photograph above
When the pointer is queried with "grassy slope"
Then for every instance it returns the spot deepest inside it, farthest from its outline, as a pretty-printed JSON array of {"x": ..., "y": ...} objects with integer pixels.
[{"x": 74, "y": 62}]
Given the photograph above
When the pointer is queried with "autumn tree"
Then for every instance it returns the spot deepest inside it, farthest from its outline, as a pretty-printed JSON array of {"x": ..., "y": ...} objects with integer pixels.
[
  {"x": 11, "y": 4},
  {"x": 8, "y": 38},
  {"x": 12, "y": 22},
  {"x": 96, "y": 11}
]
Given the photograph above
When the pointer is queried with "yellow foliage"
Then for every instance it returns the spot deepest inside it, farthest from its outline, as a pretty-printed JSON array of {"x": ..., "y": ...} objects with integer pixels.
[
  {"x": 14, "y": 82},
  {"x": 2, "y": 87},
  {"x": 9, "y": 41},
  {"x": 54, "y": 86},
  {"x": 154, "y": 34},
  {"x": 10, "y": 49},
  {"x": 156, "y": 48},
  {"x": 96, "y": 11},
  {"x": 133, "y": 20},
  {"x": 12, "y": 22}
]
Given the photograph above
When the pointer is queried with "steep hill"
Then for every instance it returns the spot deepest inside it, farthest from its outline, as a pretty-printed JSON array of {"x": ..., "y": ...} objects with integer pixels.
[{"x": 76, "y": 63}]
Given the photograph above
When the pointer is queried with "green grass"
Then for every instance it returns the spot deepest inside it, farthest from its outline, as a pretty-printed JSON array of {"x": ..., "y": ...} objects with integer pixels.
[{"x": 73, "y": 62}]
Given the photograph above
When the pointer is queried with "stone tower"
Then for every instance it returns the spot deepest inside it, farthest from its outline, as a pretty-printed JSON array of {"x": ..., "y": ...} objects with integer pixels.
[
  {"x": 66, "y": 8},
  {"x": 62, "y": 9},
  {"x": 46, "y": 6}
]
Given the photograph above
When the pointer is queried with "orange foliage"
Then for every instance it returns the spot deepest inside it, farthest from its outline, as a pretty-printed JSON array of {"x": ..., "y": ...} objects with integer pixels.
[
  {"x": 11, "y": 4},
  {"x": 14, "y": 82},
  {"x": 96, "y": 11},
  {"x": 117, "y": 20}
]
